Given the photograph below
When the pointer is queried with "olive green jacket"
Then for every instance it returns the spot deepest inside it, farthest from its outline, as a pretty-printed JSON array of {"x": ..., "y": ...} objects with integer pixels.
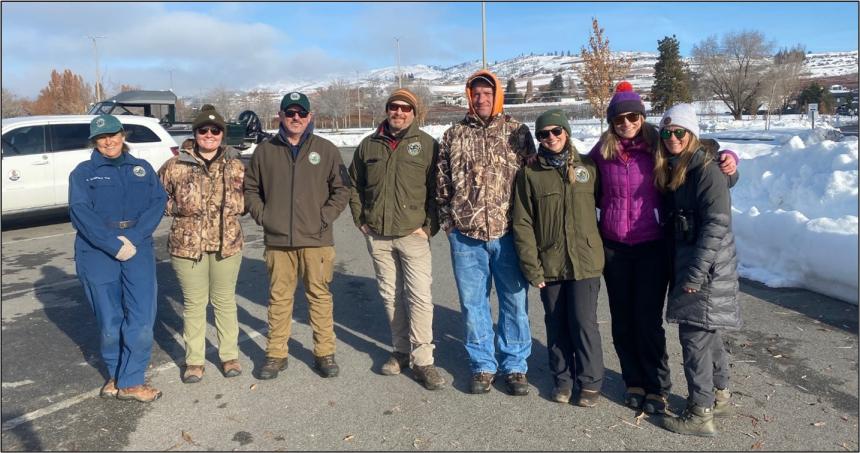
[
  {"x": 394, "y": 190},
  {"x": 555, "y": 221}
]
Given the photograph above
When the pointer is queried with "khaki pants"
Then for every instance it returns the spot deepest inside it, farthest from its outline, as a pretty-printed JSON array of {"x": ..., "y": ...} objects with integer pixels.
[
  {"x": 403, "y": 267},
  {"x": 213, "y": 278},
  {"x": 315, "y": 266}
]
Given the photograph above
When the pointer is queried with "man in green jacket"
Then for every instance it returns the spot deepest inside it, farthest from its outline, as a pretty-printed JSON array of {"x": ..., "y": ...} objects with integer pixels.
[
  {"x": 295, "y": 187},
  {"x": 393, "y": 204}
]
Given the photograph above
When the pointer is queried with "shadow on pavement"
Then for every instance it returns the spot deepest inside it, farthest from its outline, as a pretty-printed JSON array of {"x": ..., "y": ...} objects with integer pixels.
[{"x": 833, "y": 312}]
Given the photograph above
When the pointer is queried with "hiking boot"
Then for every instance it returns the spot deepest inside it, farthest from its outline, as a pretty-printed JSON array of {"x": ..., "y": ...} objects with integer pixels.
[
  {"x": 326, "y": 366},
  {"x": 517, "y": 384},
  {"x": 695, "y": 421},
  {"x": 429, "y": 376},
  {"x": 109, "y": 390},
  {"x": 143, "y": 393},
  {"x": 481, "y": 382},
  {"x": 655, "y": 404},
  {"x": 193, "y": 374},
  {"x": 561, "y": 394},
  {"x": 397, "y": 362},
  {"x": 587, "y": 398},
  {"x": 231, "y": 368},
  {"x": 634, "y": 397},
  {"x": 722, "y": 405},
  {"x": 272, "y": 366}
]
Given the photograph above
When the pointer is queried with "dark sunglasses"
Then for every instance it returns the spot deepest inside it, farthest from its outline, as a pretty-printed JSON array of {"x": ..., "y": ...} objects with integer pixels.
[
  {"x": 630, "y": 117},
  {"x": 293, "y": 113},
  {"x": 544, "y": 134},
  {"x": 403, "y": 108},
  {"x": 213, "y": 130},
  {"x": 679, "y": 133}
]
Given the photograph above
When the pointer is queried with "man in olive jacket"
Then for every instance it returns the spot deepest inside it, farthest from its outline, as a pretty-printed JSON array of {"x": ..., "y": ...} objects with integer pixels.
[
  {"x": 393, "y": 203},
  {"x": 295, "y": 187}
]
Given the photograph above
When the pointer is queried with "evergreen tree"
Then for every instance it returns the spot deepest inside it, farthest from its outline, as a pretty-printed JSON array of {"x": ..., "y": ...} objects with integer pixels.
[
  {"x": 530, "y": 92},
  {"x": 671, "y": 79},
  {"x": 816, "y": 94},
  {"x": 511, "y": 94},
  {"x": 553, "y": 91}
]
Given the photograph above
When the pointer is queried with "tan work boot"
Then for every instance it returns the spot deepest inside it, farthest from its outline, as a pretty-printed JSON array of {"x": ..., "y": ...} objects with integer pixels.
[
  {"x": 695, "y": 421},
  {"x": 429, "y": 376},
  {"x": 143, "y": 393},
  {"x": 109, "y": 390},
  {"x": 395, "y": 364},
  {"x": 722, "y": 403},
  {"x": 231, "y": 368},
  {"x": 193, "y": 374}
]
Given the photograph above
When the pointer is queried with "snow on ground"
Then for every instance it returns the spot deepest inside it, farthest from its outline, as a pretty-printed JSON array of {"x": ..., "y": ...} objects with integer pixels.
[{"x": 795, "y": 206}]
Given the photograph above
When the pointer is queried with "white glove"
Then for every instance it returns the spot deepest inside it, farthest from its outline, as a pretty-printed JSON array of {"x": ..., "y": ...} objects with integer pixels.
[{"x": 127, "y": 250}]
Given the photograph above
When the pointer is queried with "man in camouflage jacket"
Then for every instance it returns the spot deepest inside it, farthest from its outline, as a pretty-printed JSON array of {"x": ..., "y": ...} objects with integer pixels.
[{"x": 478, "y": 161}]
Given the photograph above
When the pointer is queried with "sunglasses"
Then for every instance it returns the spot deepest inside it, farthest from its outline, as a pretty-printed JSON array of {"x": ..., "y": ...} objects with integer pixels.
[
  {"x": 678, "y": 133},
  {"x": 293, "y": 113},
  {"x": 213, "y": 130},
  {"x": 402, "y": 107},
  {"x": 630, "y": 117},
  {"x": 544, "y": 134}
]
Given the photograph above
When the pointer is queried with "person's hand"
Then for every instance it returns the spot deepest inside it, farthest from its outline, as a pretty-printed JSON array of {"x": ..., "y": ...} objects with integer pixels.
[
  {"x": 541, "y": 284},
  {"x": 728, "y": 164},
  {"x": 420, "y": 232},
  {"x": 689, "y": 290},
  {"x": 127, "y": 250},
  {"x": 364, "y": 228}
]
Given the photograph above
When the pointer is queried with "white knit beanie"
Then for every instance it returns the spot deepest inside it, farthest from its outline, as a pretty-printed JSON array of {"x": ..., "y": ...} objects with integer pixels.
[{"x": 681, "y": 115}]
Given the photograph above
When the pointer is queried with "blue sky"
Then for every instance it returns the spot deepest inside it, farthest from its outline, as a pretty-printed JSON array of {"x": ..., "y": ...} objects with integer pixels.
[{"x": 233, "y": 45}]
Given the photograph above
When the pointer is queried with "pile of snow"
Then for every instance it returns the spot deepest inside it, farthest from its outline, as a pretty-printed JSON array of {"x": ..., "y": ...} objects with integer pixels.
[{"x": 795, "y": 206}]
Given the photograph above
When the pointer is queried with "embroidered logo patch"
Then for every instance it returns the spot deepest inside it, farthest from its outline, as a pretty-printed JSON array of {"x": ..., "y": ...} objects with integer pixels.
[
  {"x": 581, "y": 174},
  {"x": 414, "y": 149},
  {"x": 294, "y": 96},
  {"x": 211, "y": 117},
  {"x": 100, "y": 122},
  {"x": 314, "y": 158},
  {"x": 139, "y": 171},
  {"x": 667, "y": 121},
  {"x": 14, "y": 175}
]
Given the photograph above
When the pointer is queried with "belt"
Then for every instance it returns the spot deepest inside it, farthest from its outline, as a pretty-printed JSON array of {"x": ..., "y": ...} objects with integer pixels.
[{"x": 123, "y": 224}]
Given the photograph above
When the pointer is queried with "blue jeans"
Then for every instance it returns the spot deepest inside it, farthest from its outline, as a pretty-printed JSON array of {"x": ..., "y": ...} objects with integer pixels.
[{"x": 475, "y": 263}]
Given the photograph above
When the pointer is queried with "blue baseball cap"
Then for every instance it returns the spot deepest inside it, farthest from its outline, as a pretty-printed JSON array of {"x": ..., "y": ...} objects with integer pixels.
[{"x": 104, "y": 124}]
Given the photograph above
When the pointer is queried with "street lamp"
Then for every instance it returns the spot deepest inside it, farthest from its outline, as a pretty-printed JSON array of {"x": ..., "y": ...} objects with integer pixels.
[
  {"x": 98, "y": 76},
  {"x": 399, "y": 79},
  {"x": 484, "y": 33}
]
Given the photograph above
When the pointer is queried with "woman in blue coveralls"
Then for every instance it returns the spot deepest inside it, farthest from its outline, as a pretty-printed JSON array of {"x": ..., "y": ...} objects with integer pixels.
[{"x": 115, "y": 203}]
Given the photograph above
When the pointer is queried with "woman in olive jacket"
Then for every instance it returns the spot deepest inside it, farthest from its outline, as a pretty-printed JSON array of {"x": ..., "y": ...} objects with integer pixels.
[
  {"x": 704, "y": 285},
  {"x": 556, "y": 237}
]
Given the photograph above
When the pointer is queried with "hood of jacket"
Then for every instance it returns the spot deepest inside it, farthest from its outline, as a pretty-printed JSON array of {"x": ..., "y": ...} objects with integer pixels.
[{"x": 498, "y": 100}]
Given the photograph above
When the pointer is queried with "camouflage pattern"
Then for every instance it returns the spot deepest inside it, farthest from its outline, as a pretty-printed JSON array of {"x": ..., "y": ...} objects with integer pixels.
[
  {"x": 205, "y": 203},
  {"x": 477, "y": 166}
]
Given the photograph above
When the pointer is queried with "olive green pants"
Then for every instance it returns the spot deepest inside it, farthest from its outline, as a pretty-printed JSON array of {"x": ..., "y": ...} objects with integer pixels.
[
  {"x": 212, "y": 279},
  {"x": 315, "y": 266}
]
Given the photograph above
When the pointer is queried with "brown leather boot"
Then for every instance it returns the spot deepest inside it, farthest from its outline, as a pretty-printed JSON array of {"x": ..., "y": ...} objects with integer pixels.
[
  {"x": 109, "y": 390},
  {"x": 192, "y": 374},
  {"x": 396, "y": 363},
  {"x": 231, "y": 368},
  {"x": 143, "y": 393},
  {"x": 429, "y": 376}
]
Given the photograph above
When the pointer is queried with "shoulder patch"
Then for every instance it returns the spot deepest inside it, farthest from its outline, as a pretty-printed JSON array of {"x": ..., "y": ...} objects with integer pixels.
[
  {"x": 139, "y": 171},
  {"x": 314, "y": 158},
  {"x": 414, "y": 148},
  {"x": 582, "y": 175}
]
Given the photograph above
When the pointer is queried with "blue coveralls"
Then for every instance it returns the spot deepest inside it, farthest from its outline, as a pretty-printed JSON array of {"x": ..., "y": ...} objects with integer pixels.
[{"x": 102, "y": 197}]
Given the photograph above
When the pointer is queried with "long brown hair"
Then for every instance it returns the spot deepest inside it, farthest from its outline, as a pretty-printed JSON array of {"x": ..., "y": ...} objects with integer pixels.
[
  {"x": 609, "y": 140},
  {"x": 670, "y": 179}
]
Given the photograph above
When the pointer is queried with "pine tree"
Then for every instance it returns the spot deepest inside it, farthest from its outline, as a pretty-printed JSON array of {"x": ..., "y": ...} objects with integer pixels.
[
  {"x": 671, "y": 79},
  {"x": 600, "y": 70},
  {"x": 530, "y": 92},
  {"x": 511, "y": 94},
  {"x": 553, "y": 91}
]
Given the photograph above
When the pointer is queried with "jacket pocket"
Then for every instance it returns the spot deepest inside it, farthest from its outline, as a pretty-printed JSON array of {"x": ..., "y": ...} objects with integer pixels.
[{"x": 550, "y": 219}]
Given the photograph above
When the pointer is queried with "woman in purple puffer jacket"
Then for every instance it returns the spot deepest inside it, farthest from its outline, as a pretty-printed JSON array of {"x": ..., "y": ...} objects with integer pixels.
[{"x": 637, "y": 266}]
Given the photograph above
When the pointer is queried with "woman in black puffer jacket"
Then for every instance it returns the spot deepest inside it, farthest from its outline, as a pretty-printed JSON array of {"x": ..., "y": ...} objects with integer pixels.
[{"x": 704, "y": 287}]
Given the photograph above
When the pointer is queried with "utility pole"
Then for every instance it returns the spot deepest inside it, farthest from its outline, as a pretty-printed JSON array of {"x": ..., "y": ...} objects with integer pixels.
[
  {"x": 358, "y": 87},
  {"x": 399, "y": 78},
  {"x": 98, "y": 75},
  {"x": 171, "y": 80},
  {"x": 484, "y": 33}
]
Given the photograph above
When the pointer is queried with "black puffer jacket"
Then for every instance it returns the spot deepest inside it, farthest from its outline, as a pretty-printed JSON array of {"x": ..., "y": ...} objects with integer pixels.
[{"x": 704, "y": 258}]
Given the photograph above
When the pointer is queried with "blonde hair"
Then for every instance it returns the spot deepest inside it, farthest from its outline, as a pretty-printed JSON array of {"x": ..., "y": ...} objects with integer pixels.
[
  {"x": 609, "y": 140},
  {"x": 670, "y": 179}
]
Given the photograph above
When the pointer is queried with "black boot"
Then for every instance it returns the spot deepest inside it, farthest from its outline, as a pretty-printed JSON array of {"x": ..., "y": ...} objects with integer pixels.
[{"x": 695, "y": 421}]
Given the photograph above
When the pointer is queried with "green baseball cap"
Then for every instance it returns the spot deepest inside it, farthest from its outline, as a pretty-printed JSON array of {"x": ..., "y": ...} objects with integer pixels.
[
  {"x": 104, "y": 124},
  {"x": 295, "y": 98}
]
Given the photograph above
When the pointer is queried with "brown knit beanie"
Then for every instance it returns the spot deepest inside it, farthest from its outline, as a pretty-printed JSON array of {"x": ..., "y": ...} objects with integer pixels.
[{"x": 406, "y": 96}]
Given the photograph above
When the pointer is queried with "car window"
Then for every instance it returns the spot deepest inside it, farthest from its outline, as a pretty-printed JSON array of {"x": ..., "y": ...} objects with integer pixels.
[
  {"x": 136, "y": 133},
  {"x": 24, "y": 140},
  {"x": 67, "y": 137}
]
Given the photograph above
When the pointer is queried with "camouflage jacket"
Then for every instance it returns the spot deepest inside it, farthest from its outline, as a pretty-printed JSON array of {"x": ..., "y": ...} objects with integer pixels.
[
  {"x": 205, "y": 203},
  {"x": 475, "y": 175}
]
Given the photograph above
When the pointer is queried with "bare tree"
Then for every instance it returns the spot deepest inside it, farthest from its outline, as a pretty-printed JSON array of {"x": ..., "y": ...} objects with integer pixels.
[
  {"x": 600, "y": 70},
  {"x": 12, "y": 105},
  {"x": 223, "y": 100},
  {"x": 734, "y": 68},
  {"x": 333, "y": 102},
  {"x": 374, "y": 99}
]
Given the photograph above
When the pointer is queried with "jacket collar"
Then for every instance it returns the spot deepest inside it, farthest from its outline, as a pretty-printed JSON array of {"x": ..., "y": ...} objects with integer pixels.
[{"x": 187, "y": 155}]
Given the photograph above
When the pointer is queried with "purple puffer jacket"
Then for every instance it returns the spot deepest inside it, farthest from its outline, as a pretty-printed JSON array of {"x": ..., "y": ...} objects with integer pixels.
[{"x": 629, "y": 202}]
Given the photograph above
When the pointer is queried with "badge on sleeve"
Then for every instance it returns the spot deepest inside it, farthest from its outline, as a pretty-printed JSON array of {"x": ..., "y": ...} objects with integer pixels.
[
  {"x": 14, "y": 175},
  {"x": 314, "y": 158},
  {"x": 581, "y": 174},
  {"x": 139, "y": 171},
  {"x": 414, "y": 148}
]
